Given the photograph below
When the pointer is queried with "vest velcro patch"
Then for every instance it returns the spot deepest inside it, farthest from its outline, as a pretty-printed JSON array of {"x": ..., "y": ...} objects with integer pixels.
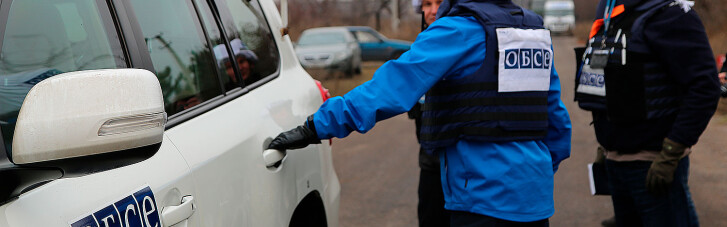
[{"x": 525, "y": 59}]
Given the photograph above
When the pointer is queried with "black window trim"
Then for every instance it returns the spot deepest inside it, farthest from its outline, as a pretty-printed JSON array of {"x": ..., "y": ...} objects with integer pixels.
[
  {"x": 111, "y": 23},
  {"x": 131, "y": 30},
  {"x": 207, "y": 38}
]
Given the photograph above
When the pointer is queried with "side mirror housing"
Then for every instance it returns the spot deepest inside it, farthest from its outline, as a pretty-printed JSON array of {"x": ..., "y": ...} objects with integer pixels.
[{"x": 86, "y": 113}]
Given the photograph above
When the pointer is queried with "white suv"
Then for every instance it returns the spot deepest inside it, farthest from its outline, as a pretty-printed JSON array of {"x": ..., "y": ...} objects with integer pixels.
[{"x": 156, "y": 113}]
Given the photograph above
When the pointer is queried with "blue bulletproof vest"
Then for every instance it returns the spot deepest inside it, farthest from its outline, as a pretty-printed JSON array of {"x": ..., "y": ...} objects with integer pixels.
[
  {"x": 481, "y": 106},
  {"x": 634, "y": 85}
]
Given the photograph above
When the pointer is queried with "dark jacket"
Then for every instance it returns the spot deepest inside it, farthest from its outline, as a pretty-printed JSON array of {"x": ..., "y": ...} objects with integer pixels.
[
  {"x": 679, "y": 42},
  {"x": 428, "y": 162}
]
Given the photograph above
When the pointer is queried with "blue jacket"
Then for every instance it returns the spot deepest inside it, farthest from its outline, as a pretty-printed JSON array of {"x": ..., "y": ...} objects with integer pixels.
[{"x": 507, "y": 180}]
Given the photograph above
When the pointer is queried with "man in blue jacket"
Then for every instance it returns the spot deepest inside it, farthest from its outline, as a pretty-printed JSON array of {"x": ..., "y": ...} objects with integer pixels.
[
  {"x": 493, "y": 114},
  {"x": 650, "y": 81}
]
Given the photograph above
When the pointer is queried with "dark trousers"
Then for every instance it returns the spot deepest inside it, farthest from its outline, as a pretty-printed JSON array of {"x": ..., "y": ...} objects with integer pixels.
[
  {"x": 635, "y": 206},
  {"x": 431, "y": 210},
  {"x": 466, "y": 219}
]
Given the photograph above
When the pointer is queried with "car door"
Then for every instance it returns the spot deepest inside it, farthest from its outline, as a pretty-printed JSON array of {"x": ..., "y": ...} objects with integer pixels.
[
  {"x": 222, "y": 138},
  {"x": 40, "y": 40},
  {"x": 134, "y": 195},
  {"x": 372, "y": 47}
]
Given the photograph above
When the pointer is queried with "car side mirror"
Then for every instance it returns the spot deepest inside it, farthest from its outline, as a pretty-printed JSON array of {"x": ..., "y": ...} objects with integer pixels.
[{"x": 87, "y": 113}]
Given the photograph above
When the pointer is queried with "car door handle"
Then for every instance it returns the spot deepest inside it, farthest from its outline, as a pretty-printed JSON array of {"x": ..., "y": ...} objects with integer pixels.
[
  {"x": 172, "y": 215},
  {"x": 273, "y": 157}
]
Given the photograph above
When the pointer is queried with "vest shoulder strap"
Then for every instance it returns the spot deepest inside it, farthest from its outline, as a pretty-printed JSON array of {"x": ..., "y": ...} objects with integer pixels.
[{"x": 500, "y": 14}]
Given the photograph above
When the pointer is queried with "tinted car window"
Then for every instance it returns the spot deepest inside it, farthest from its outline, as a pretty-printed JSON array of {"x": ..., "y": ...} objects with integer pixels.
[
  {"x": 179, "y": 51},
  {"x": 45, "y": 38},
  {"x": 250, "y": 38},
  {"x": 219, "y": 49},
  {"x": 366, "y": 37}
]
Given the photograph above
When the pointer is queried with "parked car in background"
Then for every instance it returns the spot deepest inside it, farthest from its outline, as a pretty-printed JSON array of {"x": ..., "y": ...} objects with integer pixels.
[
  {"x": 329, "y": 48},
  {"x": 156, "y": 113},
  {"x": 375, "y": 46},
  {"x": 559, "y": 16}
]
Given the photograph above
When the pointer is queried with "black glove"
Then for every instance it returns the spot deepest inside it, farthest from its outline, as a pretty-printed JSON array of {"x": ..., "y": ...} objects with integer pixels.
[
  {"x": 661, "y": 172},
  {"x": 296, "y": 138}
]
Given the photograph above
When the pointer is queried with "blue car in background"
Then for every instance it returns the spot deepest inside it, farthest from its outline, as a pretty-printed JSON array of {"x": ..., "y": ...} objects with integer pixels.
[{"x": 375, "y": 46}]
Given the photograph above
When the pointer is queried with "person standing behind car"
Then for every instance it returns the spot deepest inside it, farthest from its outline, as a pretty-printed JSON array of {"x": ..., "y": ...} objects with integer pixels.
[
  {"x": 649, "y": 80},
  {"x": 493, "y": 115},
  {"x": 430, "y": 210}
]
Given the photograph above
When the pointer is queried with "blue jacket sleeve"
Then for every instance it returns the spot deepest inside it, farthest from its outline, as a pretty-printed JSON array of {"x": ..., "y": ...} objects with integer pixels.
[
  {"x": 443, "y": 49},
  {"x": 680, "y": 42},
  {"x": 558, "y": 139}
]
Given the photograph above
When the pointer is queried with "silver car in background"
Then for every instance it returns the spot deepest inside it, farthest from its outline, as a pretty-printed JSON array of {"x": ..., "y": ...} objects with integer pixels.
[{"x": 330, "y": 48}]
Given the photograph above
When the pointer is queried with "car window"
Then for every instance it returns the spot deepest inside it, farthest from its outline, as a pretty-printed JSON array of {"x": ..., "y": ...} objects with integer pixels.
[
  {"x": 45, "y": 38},
  {"x": 219, "y": 47},
  {"x": 250, "y": 38},
  {"x": 365, "y": 37},
  {"x": 179, "y": 52},
  {"x": 320, "y": 38}
]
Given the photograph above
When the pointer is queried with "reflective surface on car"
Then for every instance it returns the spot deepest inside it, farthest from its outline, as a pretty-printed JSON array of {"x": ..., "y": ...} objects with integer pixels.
[
  {"x": 251, "y": 41},
  {"x": 181, "y": 58},
  {"x": 46, "y": 38},
  {"x": 215, "y": 37}
]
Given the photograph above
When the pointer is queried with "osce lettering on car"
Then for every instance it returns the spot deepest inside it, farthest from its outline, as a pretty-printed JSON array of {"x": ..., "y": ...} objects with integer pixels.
[{"x": 139, "y": 209}]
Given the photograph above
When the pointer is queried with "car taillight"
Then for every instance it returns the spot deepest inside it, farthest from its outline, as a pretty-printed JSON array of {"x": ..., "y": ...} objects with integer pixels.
[{"x": 325, "y": 95}]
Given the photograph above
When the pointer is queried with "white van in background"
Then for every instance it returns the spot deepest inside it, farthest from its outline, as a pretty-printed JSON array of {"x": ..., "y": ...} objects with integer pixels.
[{"x": 559, "y": 16}]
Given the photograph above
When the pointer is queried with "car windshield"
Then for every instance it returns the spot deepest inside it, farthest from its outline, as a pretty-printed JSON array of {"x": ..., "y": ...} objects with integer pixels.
[
  {"x": 321, "y": 38},
  {"x": 58, "y": 36}
]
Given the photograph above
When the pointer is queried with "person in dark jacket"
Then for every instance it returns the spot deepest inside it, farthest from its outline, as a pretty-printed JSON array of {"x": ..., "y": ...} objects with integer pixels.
[
  {"x": 430, "y": 210},
  {"x": 492, "y": 113},
  {"x": 649, "y": 80}
]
